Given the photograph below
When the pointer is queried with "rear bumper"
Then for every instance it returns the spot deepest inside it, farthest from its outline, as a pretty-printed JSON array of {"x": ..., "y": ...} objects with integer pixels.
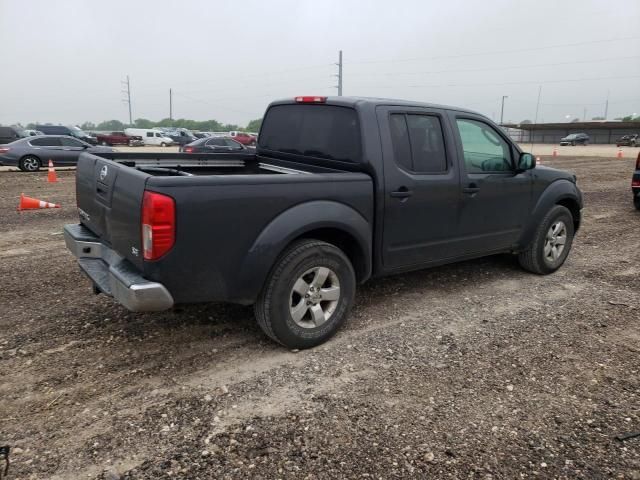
[{"x": 113, "y": 275}]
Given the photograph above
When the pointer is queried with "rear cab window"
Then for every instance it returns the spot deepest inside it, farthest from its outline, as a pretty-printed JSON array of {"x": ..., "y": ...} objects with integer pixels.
[{"x": 328, "y": 132}]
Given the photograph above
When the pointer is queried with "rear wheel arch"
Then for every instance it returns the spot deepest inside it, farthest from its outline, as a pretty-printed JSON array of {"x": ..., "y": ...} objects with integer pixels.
[
  {"x": 345, "y": 242},
  {"x": 333, "y": 222}
]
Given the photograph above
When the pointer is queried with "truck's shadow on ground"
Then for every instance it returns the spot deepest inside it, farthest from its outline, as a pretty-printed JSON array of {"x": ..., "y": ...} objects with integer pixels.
[{"x": 215, "y": 320}]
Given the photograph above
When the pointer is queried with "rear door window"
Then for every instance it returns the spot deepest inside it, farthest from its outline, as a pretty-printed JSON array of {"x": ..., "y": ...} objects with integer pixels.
[
  {"x": 418, "y": 142},
  {"x": 45, "y": 142},
  {"x": 319, "y": 131},
  {"x": 70, "y": 142}
]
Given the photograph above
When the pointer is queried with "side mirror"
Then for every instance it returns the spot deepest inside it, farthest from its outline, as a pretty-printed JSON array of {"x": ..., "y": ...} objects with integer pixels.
[{"x": 526, "y": 162}]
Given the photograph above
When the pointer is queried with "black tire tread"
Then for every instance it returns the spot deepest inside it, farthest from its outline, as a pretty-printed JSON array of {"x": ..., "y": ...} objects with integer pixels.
[
  {"x": 263, "y": 303},
  {"x": 528, "y": 258}
]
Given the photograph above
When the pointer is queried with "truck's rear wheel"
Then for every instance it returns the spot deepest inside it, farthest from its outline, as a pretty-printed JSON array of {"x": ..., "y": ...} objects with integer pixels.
[
  {"x": 551, "y": 243},
  {"x": 307, "y": 296}
]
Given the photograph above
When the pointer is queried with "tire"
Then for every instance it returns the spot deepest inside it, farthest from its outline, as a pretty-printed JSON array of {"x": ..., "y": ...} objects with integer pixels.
[
  {"x": 573, "y": 144},
  {"x": 105, "y": 143},
  {"x": 163, "y": 144},
  {"x": 632, "y": 144},
  {"x": 299, "y": 268},
  {"x": 535, "y": 258},
  {"x": 29, "y": 163},
  {"x": 636, "y": 201}
]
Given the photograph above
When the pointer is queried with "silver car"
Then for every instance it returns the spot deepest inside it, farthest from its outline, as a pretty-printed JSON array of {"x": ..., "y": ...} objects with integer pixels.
[{"x": 32, "y": 153}]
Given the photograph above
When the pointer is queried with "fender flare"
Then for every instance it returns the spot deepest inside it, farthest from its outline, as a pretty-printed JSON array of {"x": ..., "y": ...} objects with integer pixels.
[
  {"x": 559, "y": 191},
  {"x": 291, "y": 224}
]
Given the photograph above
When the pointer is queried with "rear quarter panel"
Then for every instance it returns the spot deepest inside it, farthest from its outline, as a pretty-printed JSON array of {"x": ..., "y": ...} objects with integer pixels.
[{"x": 222, "y": 251}]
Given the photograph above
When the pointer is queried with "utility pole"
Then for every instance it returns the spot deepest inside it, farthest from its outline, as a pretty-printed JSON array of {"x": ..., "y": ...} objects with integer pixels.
[
  {"x": 535, "y": 120},
  {"x": 127, "y": 86},
  {"x": 502, "y": 109},
  {"x": 339, "y": 64},
  {"x": 606, "y": 107},
  {"x": 170, "y": 106}
]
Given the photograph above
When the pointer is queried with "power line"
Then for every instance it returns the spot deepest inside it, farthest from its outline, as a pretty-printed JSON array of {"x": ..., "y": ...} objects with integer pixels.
[
  {"x": 504, "y": 83},
  {"x": 483, "y": 69},
  {"x": 497, "y": 52}
]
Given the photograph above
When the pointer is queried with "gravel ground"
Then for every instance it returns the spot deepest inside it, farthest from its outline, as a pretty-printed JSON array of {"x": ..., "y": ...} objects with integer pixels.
[{"x": 473, "y": 370}]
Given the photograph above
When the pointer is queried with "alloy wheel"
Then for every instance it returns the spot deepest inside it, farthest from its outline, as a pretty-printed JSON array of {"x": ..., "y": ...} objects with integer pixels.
[{"x": 314, "y": 297}]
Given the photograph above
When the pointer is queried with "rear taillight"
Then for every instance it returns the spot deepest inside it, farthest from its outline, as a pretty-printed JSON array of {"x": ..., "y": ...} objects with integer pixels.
[
  {"x": 311, "y": 99},
  {"x": 188, "y": 150},
  {"x": 4, "y": 149},
  {"x": 158, "y": 224}
]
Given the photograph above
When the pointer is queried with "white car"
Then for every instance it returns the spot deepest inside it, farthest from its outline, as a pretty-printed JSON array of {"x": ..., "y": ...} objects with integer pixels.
[{"x": 150, "y": 136}]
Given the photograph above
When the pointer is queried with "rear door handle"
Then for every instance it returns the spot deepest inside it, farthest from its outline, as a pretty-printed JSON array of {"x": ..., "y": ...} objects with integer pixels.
[{"x": 402, "y": 192}]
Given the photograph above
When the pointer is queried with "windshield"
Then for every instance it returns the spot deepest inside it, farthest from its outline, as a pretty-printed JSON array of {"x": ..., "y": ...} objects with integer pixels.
[
  {"x": 320, "y": 131},
  {"x": 573, "y": 135},
  {"x": 77, "y": 132}
]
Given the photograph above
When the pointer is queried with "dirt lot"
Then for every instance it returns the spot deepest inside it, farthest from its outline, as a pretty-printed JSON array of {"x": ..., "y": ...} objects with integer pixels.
[{"x": 475, "y": 370}]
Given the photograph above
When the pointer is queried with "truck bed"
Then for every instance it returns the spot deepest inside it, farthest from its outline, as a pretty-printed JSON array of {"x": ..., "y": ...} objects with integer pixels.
[
  {"x": 234, "y": 214},
  {"x": 168, "y": 164}
]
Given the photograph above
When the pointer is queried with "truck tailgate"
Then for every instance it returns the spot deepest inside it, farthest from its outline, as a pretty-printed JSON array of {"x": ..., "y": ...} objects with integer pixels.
[{"x": 109, "y": 198}]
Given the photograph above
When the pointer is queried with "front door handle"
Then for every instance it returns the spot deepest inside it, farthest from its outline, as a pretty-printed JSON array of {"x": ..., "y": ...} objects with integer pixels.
[
  {"x": 471, "y": 189},
  {"x": 402, "y": 192}
]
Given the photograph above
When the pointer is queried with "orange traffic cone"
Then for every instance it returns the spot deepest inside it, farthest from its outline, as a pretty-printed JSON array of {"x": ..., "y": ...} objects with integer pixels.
[
  {"x": 51, "y": 176},
  {"x": 28, "y": 203},
  {"x": 555, "y": 152},
  {"x": 619, "y": 155}
]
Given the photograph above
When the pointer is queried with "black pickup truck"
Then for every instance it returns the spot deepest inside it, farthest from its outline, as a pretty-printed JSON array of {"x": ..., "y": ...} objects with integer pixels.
[{"x": 339, "y": 190}]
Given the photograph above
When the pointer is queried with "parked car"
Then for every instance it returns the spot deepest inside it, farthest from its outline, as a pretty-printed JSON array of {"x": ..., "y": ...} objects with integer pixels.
[
  {"x": 635, "y": 184},
  {"x": 32, "y": 133},
  {"x": 32, "y": 153},
  {"x": 340, "y": 190},
  {"x": 119, "y": 138},
  {"x": 628, "y": 141},
  {"x": 575, "y": 139},
  {"x": 243, "y": 137},
  {"x": 11, "y": 134},
  {"x": 71, "y": 131},
  {"x": 150, "y": 136},
  {"x": 213, "y": 144},
  {"x": 180, "y": 137}
]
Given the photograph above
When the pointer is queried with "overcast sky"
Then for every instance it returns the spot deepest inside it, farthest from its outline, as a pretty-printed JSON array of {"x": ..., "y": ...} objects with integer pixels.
[{"x": 63, "y": 61}]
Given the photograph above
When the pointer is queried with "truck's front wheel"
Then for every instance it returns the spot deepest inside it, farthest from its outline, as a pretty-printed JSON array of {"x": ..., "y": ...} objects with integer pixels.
[
  {"x": 307, "y": 296},
  {"x": 551, "y": 243}
]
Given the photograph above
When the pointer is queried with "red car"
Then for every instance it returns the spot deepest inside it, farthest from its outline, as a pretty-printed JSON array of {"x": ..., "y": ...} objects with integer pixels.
[
  {"x": 119, "y": 138},
  {"x": 243, "y": 137}
]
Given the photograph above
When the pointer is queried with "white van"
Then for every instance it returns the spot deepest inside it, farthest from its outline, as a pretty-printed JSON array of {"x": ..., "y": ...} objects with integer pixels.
[{"x": 150, "y": 136}]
